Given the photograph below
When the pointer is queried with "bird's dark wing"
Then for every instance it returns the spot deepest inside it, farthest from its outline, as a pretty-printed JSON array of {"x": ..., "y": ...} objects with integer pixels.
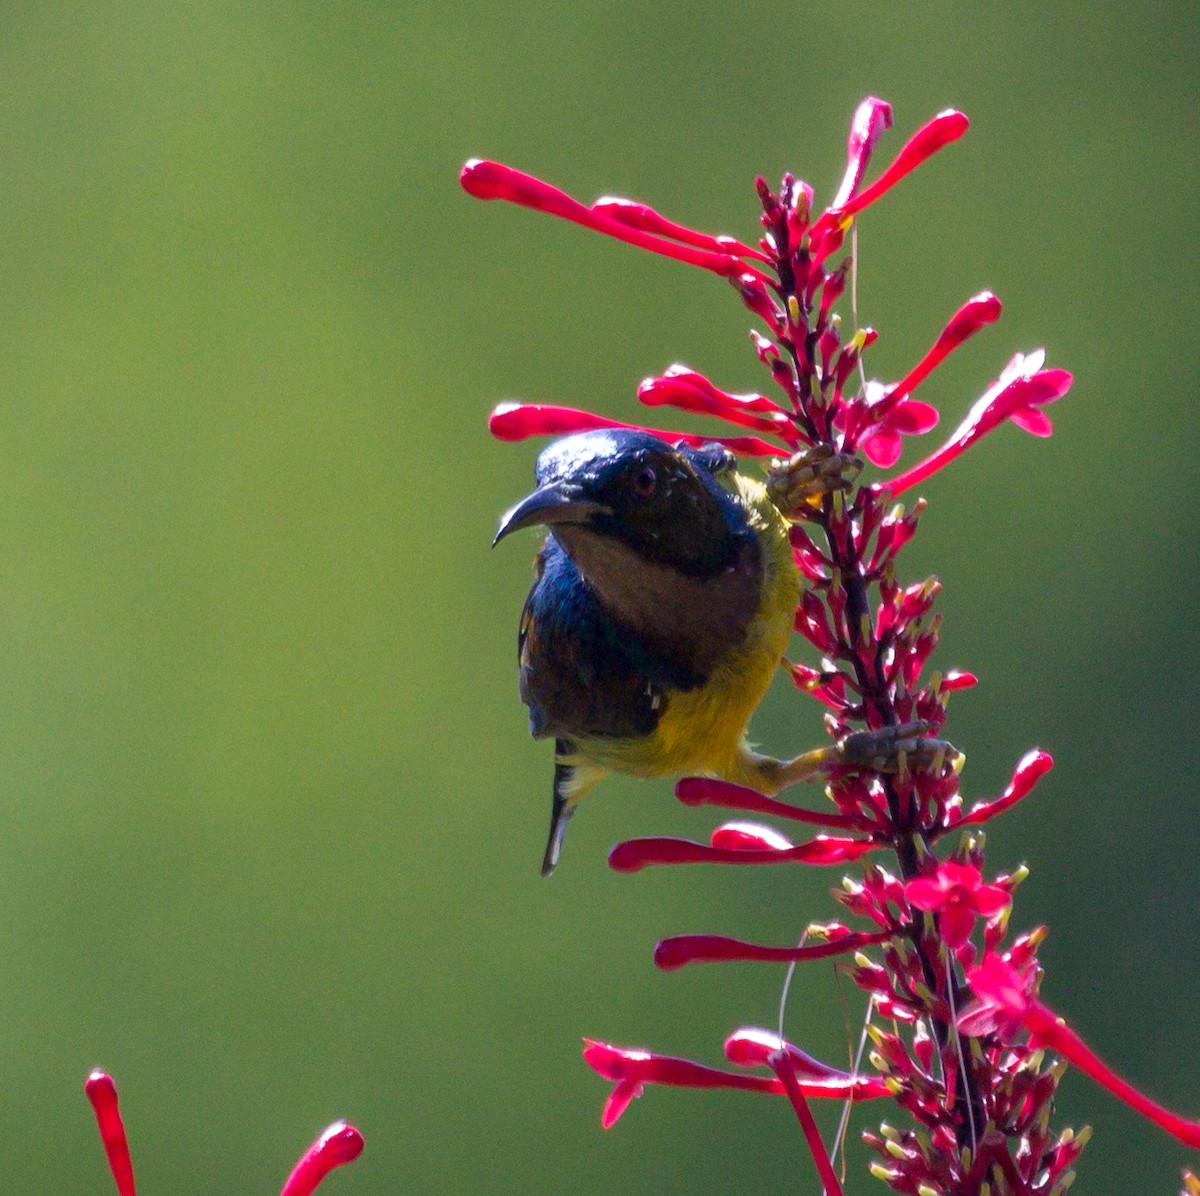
[{"x": 577, "y": 677}]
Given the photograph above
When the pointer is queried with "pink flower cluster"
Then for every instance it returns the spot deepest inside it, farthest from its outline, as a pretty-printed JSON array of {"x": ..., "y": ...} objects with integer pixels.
[{"x": 928, "y": 939}]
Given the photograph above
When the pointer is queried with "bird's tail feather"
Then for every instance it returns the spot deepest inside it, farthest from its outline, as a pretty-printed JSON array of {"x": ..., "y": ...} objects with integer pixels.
[
  {"x": 572, "y": 779},
  {"x": 560, "y": 815}
]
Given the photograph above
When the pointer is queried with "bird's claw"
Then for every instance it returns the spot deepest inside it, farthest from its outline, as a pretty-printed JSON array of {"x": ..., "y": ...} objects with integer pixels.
[
  {"x": 797, "y": 485},
  {"x": 896, "y": 749}
]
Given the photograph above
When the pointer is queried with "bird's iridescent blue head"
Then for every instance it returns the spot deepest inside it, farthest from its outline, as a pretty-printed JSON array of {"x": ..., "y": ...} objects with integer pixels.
[{"x": 661, "y": 503}]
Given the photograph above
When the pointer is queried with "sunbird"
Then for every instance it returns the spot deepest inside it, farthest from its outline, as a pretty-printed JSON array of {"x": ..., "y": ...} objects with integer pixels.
[{"x": 665, "y": 594}]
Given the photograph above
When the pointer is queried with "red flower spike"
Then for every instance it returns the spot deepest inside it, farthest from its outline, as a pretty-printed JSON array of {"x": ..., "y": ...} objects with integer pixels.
[
  {"x": 338, "y": 1144},
  {"x": 872, "y": 117},
  {"x": 995, "y": 1100},
  {"x": 516, "y": 421},
  {"x": 1019, "y": 394},
  {"x": 639, "y": 215},
  {"x": 957, "y": 894},
  {"x": 493, "y": 180},
  {"x": 102, "y": 1092},
  {"x": 630, "y": 1070},
  {"x": 676, "y": 952},
  {"x": 706, "y": 791},
  {"x": 635, "y": 854},
  {"x": 1032, "y": 767}
]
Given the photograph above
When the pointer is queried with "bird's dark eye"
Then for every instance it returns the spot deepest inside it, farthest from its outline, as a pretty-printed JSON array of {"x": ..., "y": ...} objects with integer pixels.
[{"x": 645, "y": 482}]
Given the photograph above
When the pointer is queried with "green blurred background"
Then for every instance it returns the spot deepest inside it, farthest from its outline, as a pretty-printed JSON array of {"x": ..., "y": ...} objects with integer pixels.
[{"x": 272, "y": 818}]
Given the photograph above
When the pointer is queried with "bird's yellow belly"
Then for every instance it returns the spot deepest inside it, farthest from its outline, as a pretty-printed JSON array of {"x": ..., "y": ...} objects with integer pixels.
[{"x": 702, "y": 731}]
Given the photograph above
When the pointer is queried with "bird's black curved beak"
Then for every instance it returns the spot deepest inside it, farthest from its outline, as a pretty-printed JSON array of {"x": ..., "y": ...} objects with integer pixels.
[{"x": 555, "y": 502}]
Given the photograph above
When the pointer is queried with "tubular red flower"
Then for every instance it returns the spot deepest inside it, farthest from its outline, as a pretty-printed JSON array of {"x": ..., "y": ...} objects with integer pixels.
[
  {"x": 957, "y": 894},
  {"x": 752, "y": 1047},
  {"x": 881, "y": 441},
  {"x": 690, "y": 391},
  {"x": 872, "y": 117},
  {"x": 1003, "y": 990},
  {"x": 639, "y": 215},
  {"x": 1032, "y": 767},
  {"x": 1046, "y": 1027},
  {"x": 923, "y": 144},
  {"x": 635, "y": 854},
  {"x": 516, "y": 421},
  {"x": 976, "y": 313},
  {"x": 102, "y": 1092},
  {"x": 886, "y": 414},
  {"x": 781, "y": 1064},
  {"x": 1005, "y": 1002},
  {"x": 493, "y": 180},
  {"x": 1020, "y": 392},
  {"x": 631, "y": 1069},
  {"x": 705, "y": 791},
  {"x": 337, "y": 1145},
  {"x": 680, "y": 950}
]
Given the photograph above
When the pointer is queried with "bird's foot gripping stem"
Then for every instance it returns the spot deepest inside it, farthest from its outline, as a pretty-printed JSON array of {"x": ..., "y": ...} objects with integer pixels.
[
  {"x": 797, "y": 485},
  {"x": 889, "y": 749},
  {"x": 896, "y": 749}
]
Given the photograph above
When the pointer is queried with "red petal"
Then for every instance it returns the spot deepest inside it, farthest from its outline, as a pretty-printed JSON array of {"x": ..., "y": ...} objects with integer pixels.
[
  {"x": 957, "y": 679},
  {"x": 635, "y": 854},
  {"x": 975, "y": 314},
  {"x": 690, "y": 391},
  {"x": 925, "y": 893},
  {"x": 883, "y": 447},
  {"x": 618, "y": 1101},
  {"x": 913, "y": 418},
  {"x": 988, "y": 900},
  {"x": 1033, "y": 421},
  {"x": 752, "y": 1047},
  {"x": 682, "y": 949},
  {"x": 925, "y": 142},
  {"x": 956, "y": 922},
  {"x": 1032, "y": 767}
]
